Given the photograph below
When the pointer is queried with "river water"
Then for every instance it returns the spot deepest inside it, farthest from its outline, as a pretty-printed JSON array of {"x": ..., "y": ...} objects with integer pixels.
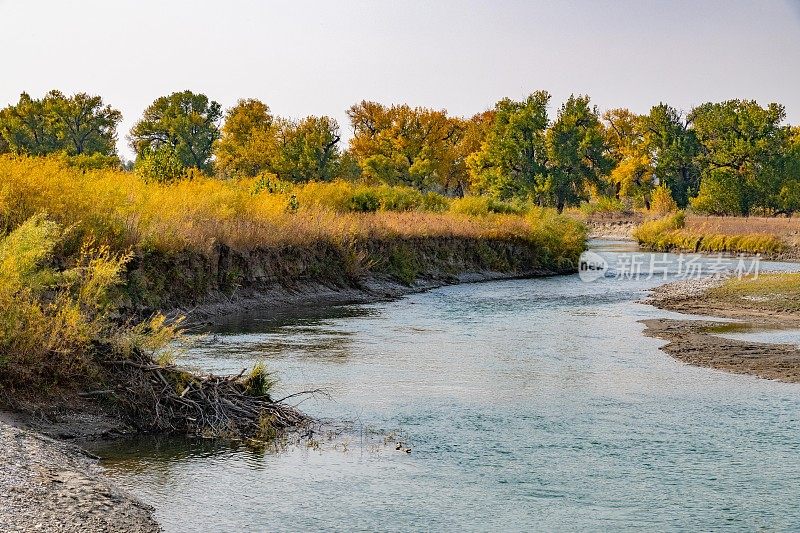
[{"x": 527, "y": 404}]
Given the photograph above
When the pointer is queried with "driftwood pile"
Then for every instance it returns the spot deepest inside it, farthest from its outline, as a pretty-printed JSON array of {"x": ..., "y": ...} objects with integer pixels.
[{"x": 156, "y": 398}]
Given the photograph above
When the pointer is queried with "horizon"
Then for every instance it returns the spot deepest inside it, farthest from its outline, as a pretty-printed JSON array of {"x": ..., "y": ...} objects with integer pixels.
[{"x": 312, "y": 59}]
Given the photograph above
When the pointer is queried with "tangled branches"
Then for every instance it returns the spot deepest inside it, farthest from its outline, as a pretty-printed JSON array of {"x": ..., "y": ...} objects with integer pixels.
[{"x": 158, "y": 398}]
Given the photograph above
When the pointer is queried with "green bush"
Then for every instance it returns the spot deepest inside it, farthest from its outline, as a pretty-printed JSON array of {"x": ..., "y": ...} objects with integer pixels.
[{"x": 365, "y": 201}]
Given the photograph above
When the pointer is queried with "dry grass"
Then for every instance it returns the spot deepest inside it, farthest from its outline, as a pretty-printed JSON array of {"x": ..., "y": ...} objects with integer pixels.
[
  {"x": 786, "y": 228},
  {"x": 124, "y": 212},
  {"x": 708, "y": 234}
]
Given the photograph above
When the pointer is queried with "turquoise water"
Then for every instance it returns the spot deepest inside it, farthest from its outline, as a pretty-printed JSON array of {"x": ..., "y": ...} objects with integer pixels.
[{"x": 528, "y": 405}]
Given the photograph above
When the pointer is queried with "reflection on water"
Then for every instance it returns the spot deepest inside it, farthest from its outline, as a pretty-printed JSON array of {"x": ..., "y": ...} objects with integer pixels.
[
  {"x": 754, "y": 333},
  {"x": 528, "y": 404}
]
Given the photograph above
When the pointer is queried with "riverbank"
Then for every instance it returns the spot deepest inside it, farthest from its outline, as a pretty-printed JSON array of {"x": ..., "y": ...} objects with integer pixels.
[
  {"x": 776, "y": 239},
  {"x": 92, "y": 263},
  {"x": 50, "y": 475},
  {"x": 46, "y": 485},
  {"x": 752, "y": 307}
]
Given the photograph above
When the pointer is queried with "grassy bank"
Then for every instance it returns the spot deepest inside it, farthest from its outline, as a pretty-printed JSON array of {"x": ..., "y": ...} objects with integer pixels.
[
  {"x": 677, "y": 232},
  {"x": 90, "y": 258},
  {"x": 767, "y": 293}
]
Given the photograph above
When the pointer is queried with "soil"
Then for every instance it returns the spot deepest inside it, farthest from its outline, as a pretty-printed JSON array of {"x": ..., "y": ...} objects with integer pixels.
[{"x": 697, "y": 342}]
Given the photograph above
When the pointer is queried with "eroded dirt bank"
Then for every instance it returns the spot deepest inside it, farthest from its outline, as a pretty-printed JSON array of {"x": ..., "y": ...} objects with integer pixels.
[{"x": 697, "y": 342}]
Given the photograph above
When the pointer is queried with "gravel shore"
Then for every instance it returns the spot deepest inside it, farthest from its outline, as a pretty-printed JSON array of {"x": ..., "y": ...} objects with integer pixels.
[{"x": 47, "y": 485}]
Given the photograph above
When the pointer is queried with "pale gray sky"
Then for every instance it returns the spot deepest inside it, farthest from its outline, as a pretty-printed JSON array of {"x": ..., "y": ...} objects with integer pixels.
[{"x": 321, "y": 57}]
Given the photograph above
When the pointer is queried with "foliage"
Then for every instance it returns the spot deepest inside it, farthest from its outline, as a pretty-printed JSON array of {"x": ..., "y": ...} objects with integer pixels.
[
  {"x": 160, "y": 164},
  {"x": 254, "y": 142},
  {"x": 401, "y": 145},
  {"x": 669, "y": 233},
  {"x": 51, "y": 321},
  {"x": 183, "y": 121},
  {"x": 125, "y": 211},
  {"x": 604, "y": 204},
  {"x": 259, "y": 381},
  {"x": 742, "y": 147},
  {"x": 483, "y": 205},
  {"x": 512, "y": 159},
  {"x": 248, "y": 140},
  {"x": 78, "y": 125},
  {"x": 308, "y": 150},
  {"x": 672, "y": 147},
  {"x": 662, "y": 202},
  {"x": 633, "y": 175},
  {"x": 576, "y": 153}
]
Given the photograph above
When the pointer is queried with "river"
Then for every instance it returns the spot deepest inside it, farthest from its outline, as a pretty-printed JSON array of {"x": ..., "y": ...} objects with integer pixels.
[{"x": 531, "y": 404}]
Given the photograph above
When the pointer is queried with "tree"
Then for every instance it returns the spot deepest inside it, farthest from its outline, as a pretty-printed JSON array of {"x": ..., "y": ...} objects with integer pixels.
[
  {"x": 27, "y": 128},
  {"x": 308, "y": 150},
  {"x": 576, "y": 153},
  {"x": 82, "y": 124},
  {"x": 473, "y": 133},
  {"x": 743, "y": 147},
  {"x": 672, "y": 149},
  {"x": 404, "y": 145},
  {"x": 248, "y": 144},
  {"x": 253, "y": 141},
  {"x": 185, "y": 121},
  {"x": 512, "y": 158},
  {"x": 79, "y": 125},
  {"x": 633, "y": 174}
]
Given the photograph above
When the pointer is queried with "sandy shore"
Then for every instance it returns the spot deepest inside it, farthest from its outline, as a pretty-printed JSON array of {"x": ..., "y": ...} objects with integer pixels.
[
  {"x": 47, "y": 485},
  {"x": 695, "y": 342}
]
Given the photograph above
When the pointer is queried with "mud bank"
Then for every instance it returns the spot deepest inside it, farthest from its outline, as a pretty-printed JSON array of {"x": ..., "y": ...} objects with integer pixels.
[
  {"x": 224, "y": 281},
  {"x": 697, "y": 342}
]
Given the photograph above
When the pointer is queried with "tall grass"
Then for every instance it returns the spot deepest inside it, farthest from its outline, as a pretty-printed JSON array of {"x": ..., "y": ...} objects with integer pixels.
[
  {"x": 125, "y": 212},
  {"x": 670, "y": 233}
]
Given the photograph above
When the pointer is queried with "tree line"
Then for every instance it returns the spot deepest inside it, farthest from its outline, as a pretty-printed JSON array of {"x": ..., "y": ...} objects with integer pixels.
[{"x": 729, "y": 158}]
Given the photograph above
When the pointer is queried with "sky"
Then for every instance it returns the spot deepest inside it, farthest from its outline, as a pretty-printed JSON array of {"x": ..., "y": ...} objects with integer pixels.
[{"x": 319, "y": 58}]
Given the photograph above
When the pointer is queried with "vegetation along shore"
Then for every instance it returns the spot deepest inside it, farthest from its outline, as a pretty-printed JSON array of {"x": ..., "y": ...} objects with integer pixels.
[{"x": 103, "y": 261}]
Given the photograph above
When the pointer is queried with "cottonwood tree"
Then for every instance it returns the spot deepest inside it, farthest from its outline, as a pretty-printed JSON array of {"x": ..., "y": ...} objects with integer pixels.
[
  {"x": 632, "y": 176},
  {"x": 308, "y": 150},
  {"x": 576, "y": 153},
  {"x": 672, "y": 148},
  {"x": 401, "y": 145},
  {"x": 742, "y": 156},
  {"x": 185, "y": 122},
  {"x": 78, "y": 125},
  {"x": 253, "y": 141},
  {"x": 248, "y": 144},
  {"x": 512, "y": 160}
]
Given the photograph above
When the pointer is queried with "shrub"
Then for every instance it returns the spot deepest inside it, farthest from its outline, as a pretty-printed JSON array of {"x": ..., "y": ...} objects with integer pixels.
[
  {"x": 604, "y": 205},
  {"x": 365, "y": 201},
  {"x": 50, "y": 321},
  {"x": 662, "y": 202},
  {"x": 483, "y": 205}
]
